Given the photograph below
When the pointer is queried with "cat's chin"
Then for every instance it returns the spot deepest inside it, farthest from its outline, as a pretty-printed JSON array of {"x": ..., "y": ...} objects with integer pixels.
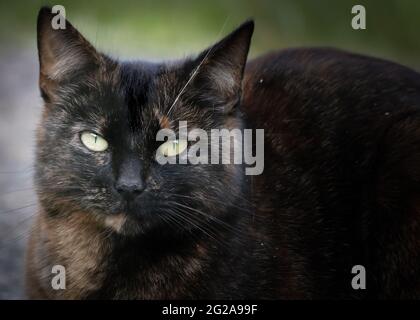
[
  {"x": 123, "y": 224},
  {"x": 116, "y": 222},
  {"x": 126, "y": 224}
]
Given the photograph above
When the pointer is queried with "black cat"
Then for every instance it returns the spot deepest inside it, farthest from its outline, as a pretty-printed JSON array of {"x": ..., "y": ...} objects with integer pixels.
[{"x": 339, "y": 188}]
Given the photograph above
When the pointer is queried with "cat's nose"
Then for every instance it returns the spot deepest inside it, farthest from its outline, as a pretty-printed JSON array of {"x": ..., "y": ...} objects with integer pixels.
[
  {"x": 130, "y": 190},
  {"x": 130, "y": 182}
]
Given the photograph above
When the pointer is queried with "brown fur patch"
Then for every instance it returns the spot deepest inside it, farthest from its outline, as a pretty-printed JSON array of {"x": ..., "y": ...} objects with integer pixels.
[
  {"x": 116, "y": 222},
  {"x": 164, "y": 121},
  {"x": 76, "y": 242}
]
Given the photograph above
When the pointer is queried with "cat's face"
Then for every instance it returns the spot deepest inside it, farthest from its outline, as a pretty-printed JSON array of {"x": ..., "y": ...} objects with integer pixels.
[{"x": 97, "y": 143}]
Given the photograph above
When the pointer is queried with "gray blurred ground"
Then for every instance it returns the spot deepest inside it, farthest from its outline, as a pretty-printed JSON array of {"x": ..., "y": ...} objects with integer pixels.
[{"x": 20, "y": 106}]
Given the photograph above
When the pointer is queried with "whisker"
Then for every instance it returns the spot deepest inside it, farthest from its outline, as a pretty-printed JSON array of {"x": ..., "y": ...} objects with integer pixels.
[
  {"x": 190, "y": 219},
  {"x": 23, "y": 171},
  {"x": 213, "y": 228},
  {"x": 195, "y": 71},
  {"x": 17, "y": 190},
  {"x": 213, "y": 218},
  {"x": 244, "y": 209},
  {"x": 172, "y": 219},
  {"x": 15, "y": 234},
  {"x": 20, "y": 208}
]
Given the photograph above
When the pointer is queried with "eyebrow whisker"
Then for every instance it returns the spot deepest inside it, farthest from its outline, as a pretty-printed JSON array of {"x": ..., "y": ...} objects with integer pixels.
[{"x": 195, "y": 71}]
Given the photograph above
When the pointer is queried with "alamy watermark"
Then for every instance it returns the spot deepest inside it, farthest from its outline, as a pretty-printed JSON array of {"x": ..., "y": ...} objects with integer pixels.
[
  {"x": 359, "y": 280},
  {"x": 359, "y": 20},
  {"x": 216, "y": 146},
  {"x": 58, "y": 282},
  {"x": 59, "y": 20}
]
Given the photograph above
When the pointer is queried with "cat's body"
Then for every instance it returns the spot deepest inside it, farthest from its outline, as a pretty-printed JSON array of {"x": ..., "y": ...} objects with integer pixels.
[
  {"x": 339, "y": 188},
  {"x": 341, "y": 178}
]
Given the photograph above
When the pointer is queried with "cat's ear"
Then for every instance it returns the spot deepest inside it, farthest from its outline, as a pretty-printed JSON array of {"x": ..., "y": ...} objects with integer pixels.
[
  {"x": 63, "y": 53},
  {"x": 220, "y": 68}
]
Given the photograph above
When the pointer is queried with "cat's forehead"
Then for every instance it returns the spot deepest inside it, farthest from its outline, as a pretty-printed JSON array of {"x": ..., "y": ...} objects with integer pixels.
[
  {"x": 136, "y": 97},
  {"x": 148, "y": 90},
  {"x": 151, "y": 92},
  {"x": 130, "y": 90}
]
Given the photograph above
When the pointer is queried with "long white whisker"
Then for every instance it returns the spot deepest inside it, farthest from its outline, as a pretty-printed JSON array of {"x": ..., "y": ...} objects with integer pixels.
[{"x": 195, "y": 71}]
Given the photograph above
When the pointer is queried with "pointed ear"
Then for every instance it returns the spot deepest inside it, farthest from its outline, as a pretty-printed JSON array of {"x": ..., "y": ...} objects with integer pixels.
[
  {"x": 64, "y": 54},
  {"x": 220, "y": 68}
]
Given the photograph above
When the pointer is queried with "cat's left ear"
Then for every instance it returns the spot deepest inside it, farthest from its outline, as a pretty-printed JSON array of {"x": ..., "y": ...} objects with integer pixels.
[{"x": 221, "y": 68}]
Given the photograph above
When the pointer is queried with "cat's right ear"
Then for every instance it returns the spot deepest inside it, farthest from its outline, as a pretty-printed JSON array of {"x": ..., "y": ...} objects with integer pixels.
[{"x": 64, "y": 54}]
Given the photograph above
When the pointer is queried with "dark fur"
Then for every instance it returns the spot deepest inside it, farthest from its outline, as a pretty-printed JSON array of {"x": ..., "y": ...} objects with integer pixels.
[{"x": 339, "y": 188}]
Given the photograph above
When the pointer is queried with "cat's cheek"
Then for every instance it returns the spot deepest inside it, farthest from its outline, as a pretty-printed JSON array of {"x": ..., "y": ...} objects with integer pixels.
[{"x": 103, "y": 159}]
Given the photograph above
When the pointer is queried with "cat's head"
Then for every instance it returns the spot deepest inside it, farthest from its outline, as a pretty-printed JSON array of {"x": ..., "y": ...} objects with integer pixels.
[{"x": 97, "y": 145}]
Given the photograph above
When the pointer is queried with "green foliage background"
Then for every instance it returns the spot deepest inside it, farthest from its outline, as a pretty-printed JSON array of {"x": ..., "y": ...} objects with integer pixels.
[{"x": 161, "y": 28}]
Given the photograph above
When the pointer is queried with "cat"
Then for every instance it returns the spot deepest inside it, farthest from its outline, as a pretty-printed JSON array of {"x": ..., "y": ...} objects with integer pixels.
[{"x": 339, "y": 188}]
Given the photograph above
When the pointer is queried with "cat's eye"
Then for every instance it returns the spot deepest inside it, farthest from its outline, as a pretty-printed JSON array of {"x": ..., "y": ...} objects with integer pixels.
[
  {"x": 172, "y": 148},
  {"x": 93, "y": 142}
]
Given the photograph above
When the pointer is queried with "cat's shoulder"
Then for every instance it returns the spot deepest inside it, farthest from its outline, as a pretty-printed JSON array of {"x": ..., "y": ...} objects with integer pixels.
[
  {"x": 320, "y": 76},
  {"x": 324, "y": 61}
]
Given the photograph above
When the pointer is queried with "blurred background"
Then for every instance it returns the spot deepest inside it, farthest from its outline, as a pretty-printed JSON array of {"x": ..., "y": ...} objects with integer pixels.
[{"x": 156, "y": 29}]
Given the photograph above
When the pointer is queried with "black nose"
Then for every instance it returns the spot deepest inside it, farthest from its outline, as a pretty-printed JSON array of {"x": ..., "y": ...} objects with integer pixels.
[
  {"x": 129, "y": 190},
  {"x": 130, "y": 182}
]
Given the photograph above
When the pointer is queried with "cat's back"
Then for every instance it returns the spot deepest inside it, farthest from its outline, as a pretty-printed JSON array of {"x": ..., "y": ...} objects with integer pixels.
[
  {"x": 328, "y": 105},
  {"x": 341, "y": 171},
  {"x": 327, "y": 100},
  {"x": 316, "y": 80}
]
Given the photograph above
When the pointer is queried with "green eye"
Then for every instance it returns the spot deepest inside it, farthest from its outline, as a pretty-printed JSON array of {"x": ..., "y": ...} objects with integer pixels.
[
  {"x": 93, "y": 142},
  {"x": 172, "y": 148}
]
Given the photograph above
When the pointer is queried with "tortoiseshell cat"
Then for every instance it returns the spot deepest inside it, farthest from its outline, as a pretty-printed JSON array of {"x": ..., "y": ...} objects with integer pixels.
[{"x": 340, "y": 186}]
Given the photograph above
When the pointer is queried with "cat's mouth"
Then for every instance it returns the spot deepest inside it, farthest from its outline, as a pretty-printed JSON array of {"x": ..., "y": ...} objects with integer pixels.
[
  {"x": 134, "y": 208},
  {"x": 131, "y": 217}
]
